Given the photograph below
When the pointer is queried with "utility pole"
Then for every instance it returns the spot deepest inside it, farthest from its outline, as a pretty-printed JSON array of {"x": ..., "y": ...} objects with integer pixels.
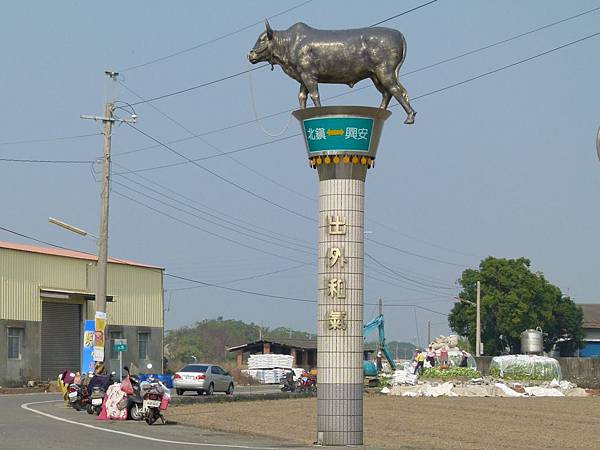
[
  {"x": 108, "y": 120},
  {"x": 478, "y": 337},
  {"x": 428, "y": 332},
  {"x": 381, "y": 314}
]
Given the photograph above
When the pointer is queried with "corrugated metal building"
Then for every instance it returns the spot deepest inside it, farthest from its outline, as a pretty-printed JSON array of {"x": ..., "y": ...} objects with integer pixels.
[
  {"x": 591, "y": 330},
  {"x": 46, "y": 294}
]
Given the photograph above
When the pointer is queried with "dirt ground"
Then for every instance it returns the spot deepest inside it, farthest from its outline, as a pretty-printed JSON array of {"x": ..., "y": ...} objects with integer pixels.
[{"x": 423, "y": 423}]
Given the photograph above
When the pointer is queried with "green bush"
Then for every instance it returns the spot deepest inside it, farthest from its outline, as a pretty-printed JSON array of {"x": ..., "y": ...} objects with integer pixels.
[{"x": 455, "y": 372}]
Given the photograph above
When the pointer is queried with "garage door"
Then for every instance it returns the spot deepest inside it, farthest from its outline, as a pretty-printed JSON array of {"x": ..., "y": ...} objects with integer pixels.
[{"x": 61, "y": 336}]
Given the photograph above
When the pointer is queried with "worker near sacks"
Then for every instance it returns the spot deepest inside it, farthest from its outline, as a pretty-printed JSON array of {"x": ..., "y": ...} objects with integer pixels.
[
  {"x": 430, "y": 356},
  {"x": 379, "y": 361},
  {"x": 420, "y": 358},
  {"x": 444, "y": 362}
]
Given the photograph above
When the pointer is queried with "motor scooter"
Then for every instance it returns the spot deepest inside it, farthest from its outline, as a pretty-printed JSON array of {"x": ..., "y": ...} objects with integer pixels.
[
  {"x": 288, "y": 382},
  {"x": 74, "y": 395},
  {"x": 97, "y": 388},
  {"x": 156, "y": 400}
]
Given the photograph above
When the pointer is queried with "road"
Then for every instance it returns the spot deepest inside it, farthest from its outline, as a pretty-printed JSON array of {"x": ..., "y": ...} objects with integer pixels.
[{"x": 36, "y": 421}]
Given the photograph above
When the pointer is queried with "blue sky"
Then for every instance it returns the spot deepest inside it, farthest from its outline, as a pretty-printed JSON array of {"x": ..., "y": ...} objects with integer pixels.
[{"x": 504, "y": 165}]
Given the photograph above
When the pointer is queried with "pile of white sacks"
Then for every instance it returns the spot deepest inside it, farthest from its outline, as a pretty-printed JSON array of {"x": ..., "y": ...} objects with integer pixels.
[
  {"x": 486, "y": 387},
  {"x": 270, "y": 368}
]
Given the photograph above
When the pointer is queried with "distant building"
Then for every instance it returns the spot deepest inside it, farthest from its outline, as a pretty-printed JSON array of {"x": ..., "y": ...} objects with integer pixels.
[
  {"x": 591, "y": 329},
  {"x": 304, "y": 351},
  {"x": 46, "y": 294}
]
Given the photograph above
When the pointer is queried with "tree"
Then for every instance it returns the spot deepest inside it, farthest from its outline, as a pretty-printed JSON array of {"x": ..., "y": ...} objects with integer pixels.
[{"x": 514, "y": 299}]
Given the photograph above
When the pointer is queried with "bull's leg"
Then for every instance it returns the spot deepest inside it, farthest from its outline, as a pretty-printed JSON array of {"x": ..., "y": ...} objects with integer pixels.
[
  {"x": 391, "y": 84},
  {"x": 313, "y": 89},
  {"x": 302, "y": 96},
  {"x": 385, "y": 101}
]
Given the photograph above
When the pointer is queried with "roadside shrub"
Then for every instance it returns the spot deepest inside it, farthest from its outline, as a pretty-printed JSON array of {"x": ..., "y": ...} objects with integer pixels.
[{"x": 455, "y": 372}]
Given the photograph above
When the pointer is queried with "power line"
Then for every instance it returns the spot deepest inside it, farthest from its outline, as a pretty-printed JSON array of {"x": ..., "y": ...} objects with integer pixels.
[
  {"x": 407, "y": 278},
  {"x": 422, "y": 290},
  {"x": 504, "y": 41},
  {"x": 284, "y": 245},
  {"x": 242, "y": 291},
  {"x": 222, "y": 178},
  {"x": 54, "y": 139},
  {"x": 47, "y": 161},
  {"x": 192, "y": 200},
  {"x": 402, "y": 13},
  {"x": 237, "y": 74},
  {"x": 213, "y": 40},
  {"x": 406, "y": 252},
  {"x": 252, "y": 277},
  {"x": 508, "y": 66},
  {"x": 423, "y": 287},
  {"x": 212, "y": 233},
  {"x": 39, "y": 241},
  {"x": 416, "y": 306},
  {"x": 283, "y": 297},
  {"x": 198, "y": 86},
  {"x": 221, "y": 153},
  {"x": 217, "y": 285}
]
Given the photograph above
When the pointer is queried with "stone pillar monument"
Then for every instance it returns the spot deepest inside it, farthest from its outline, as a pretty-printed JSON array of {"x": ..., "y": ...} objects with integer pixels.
[{"x": 342, "y": 143}]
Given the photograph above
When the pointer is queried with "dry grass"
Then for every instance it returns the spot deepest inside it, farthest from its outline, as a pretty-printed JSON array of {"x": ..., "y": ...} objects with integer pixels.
[{"x": 400, "y": 422}]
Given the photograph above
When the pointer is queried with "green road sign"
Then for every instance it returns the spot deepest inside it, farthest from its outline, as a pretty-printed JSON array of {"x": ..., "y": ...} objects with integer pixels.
[
  {"x": 338, "y": 133},
  {"x": 120, "y": 345}
]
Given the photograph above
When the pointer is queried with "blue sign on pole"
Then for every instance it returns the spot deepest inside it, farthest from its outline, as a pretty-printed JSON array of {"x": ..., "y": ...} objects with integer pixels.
[{"x": 87, "y": 360}]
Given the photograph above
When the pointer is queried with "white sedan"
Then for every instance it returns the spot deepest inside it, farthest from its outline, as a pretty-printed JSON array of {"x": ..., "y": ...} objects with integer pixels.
[{"x": 203, "y": 378}]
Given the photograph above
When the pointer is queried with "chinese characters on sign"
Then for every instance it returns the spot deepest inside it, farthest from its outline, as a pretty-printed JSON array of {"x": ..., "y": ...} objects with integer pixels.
[
  {"x": 337, "y": 320},
  {"x": 356, "y": 133},
  {"x": 316, "y": 134}
]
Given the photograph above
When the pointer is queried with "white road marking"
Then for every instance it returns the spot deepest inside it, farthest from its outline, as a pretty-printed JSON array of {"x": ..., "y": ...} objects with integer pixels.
[{"x": 27, "y": 407}]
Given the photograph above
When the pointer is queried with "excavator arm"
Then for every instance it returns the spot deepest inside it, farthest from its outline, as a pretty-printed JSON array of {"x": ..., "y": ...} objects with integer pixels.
[{"x": 377, "y": 322}]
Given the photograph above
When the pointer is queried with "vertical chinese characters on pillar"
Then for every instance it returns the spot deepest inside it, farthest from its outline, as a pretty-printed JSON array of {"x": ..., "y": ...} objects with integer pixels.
[
  {"x": 337, "y": 320},
  {"x": 336, "y": 287}
]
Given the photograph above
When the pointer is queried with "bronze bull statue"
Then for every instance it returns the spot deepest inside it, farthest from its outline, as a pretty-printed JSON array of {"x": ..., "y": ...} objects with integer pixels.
[{"x": 312, "y": 56}]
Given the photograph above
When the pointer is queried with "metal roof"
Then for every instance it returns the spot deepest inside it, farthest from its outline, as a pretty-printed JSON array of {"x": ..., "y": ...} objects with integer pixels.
[
  {"x": 303, "y": 344},
  {"x": 70, "y": 254},
  {"x": 591, "y": 315}
]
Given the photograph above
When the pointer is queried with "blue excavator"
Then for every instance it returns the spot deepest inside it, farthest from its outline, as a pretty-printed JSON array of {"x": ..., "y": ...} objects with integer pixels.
[{"x": 369, "y": 367}]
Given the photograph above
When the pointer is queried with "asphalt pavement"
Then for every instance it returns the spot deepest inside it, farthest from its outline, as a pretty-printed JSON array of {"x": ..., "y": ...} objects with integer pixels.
[{"x": 42, "y": 421}]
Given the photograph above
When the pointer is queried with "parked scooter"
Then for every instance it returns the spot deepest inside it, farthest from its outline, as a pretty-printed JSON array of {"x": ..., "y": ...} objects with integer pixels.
[
  {"x": 74, "y": 395},
  {"x": 288, "y": 382},
  {"x": 156, "y": 399},
  {"x": 97, "y": 388},
  {"x": 135, "y": 402}
]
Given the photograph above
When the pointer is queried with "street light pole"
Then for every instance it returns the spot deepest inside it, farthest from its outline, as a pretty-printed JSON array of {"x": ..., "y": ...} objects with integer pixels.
[
  {"x": 478, "y": 338},
  {"x": 108, "y": 120}
]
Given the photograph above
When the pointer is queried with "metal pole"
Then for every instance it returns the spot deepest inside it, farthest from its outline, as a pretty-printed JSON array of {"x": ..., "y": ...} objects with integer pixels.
[
  {"x": 478, "y": 337},
  {"x": 381, "y": 314},
  {"x": 120, "y": 366},
  {"x": 428, "y": 332}
]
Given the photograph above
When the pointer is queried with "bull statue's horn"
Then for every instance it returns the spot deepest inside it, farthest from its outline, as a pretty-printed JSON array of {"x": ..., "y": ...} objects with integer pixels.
[{"x": 269, "y": 29}]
